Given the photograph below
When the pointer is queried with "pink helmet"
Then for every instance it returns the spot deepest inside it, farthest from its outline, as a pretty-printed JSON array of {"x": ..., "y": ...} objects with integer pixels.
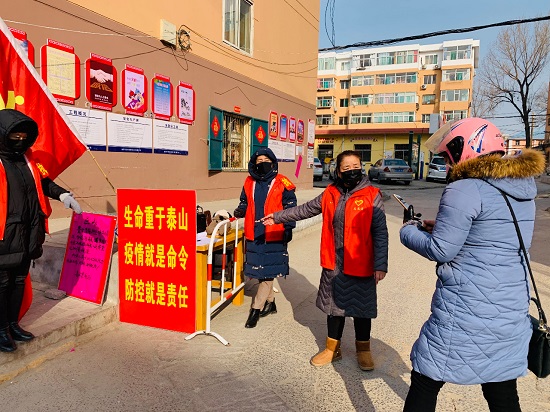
[{"x": 466, "y": 138}]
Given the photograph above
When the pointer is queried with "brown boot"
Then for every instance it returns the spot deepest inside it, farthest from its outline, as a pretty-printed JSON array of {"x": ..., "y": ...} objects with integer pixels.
[
  {"x": 364, "y": 357},
  {"x": 330, "y": 354}
]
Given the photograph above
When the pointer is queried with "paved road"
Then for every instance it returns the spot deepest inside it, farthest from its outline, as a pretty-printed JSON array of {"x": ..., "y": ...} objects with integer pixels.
[{"x": 425, "y": 198}]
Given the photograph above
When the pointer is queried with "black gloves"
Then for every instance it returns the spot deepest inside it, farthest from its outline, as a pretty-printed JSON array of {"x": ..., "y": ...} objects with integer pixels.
[{"x": 238, "y": 213}]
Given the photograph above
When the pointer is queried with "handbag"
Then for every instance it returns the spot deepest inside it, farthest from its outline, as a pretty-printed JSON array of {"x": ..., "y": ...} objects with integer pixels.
[
  {"x": 201, "y": 220},
  {"x": 538, "y": 358}
]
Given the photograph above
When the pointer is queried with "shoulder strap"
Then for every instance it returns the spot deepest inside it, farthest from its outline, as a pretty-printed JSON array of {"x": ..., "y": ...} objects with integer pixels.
[{"x": 542, "y": 316}]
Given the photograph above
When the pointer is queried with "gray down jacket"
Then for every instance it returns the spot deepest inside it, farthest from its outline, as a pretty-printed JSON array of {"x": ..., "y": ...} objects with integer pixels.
[
  {"x": 479, "y": 327},
  {"x": 359, "y": 296}
]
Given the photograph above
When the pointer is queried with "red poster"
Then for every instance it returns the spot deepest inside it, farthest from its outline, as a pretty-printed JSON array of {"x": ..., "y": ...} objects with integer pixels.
[
  {"x": 186, "y": 103},
  {"x": 21, "y": 88},
  {"x": 101, "y": 82},
  {"x": 162, "y": 92},
  {"x": 283, "y": 127},
  {"x": 88, "y": 256},
  {"x": 157, "y": 258},
  {"x": 60, "y": 69},
  {"x": 300, "y": 133},
  {"x": 25, "y": 44},
  {"x": 134, "y": 90},
  {"x": 273, "y": 125}
]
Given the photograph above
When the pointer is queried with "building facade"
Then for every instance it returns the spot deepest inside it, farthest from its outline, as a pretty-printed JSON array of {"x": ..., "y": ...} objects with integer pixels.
[
  {"x": 240, "y": 64},
  {"x": 374, "y": 100}
]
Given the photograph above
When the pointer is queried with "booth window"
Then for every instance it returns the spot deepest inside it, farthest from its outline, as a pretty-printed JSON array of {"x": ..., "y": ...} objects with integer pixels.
[{"x": 237, "y": 24}]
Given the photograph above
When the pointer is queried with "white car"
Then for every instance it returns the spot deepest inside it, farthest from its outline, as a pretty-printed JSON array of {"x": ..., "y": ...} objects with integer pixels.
[
  {"x": 437, "y": 169},
  {"x": 317, "y": 169}
]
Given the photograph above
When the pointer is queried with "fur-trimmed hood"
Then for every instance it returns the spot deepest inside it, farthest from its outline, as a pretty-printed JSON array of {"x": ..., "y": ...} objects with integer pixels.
[{"x": 513, "y": 173}]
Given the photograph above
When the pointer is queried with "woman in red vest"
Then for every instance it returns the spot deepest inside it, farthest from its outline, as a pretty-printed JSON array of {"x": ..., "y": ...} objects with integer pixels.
[
  {"x": 24, "y": 209},
  {"x": 354, "y": 255},
  {"x": 265, "y": 191}
]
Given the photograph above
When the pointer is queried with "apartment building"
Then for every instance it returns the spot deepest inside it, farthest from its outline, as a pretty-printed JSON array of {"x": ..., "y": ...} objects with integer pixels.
[{"x": 373, "y": 100}]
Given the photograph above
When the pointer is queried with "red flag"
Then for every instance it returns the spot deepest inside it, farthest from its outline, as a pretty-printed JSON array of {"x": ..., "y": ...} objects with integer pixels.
[{"x": 21, "y": 88}]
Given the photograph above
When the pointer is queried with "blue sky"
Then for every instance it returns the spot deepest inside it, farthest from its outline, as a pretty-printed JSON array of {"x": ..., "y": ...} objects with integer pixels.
[{"x": 365, "y": 20}]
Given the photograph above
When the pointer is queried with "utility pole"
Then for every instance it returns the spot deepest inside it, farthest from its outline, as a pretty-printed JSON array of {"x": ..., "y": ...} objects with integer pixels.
[{"x": 531, "y": 132}]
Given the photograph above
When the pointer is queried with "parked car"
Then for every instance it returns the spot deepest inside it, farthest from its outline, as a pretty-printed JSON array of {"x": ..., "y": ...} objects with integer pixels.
[
  {"x": 437, "y": 169},
  {"x": 317, "y": 169},
  {"x": 391, "y": 169}
]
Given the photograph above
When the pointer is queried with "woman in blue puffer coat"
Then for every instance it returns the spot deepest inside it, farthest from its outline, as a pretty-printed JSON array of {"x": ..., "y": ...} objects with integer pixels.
[{"x": 479, "y": 328}]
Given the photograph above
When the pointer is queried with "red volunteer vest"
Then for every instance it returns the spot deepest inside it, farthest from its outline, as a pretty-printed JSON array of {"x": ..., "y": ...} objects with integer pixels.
[
  {"x": 358, "y": 246},
  {"x": 273, "y": 203},
  {"x": 37, "y": 175}
]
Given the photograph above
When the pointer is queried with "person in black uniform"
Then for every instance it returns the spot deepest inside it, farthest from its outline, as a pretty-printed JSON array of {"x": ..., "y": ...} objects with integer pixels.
[{"x": 24, "y": 209}]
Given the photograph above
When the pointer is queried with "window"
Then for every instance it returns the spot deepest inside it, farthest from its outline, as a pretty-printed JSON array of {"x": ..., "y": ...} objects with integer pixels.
[
  {"x": 425, "y": 118},
  {"x": 362, "y": 81},
  {"x": 389, "y": 98},
  {"x": 401, "y": 151},
  {"x": 364, "y": 150},
  {"x": 430, "y": 59},
  {"x": 457, "y": 52},
  {"x": 324, "y": 102},
  {"x": 237, "y": 26},
  {"x": 343, "y": 120},
  {"x": 325, "y": 152},
  {"x": 430, "y": 79},
  {"x": 324, "y": 119},
  {"x": 393, "y": 117},
  {"x": 344, "y": 102},
  {"x": 344, "y": 66},
  {"x": 325, "y": 83},
  {"x": 461, "y": 95},
  {"x": 344, "y": 84},
  {"x": 393, "y": 78},
  {"x": 361, "y": 99},
  {"x": 357, "y": 118},
  {"x": 326, "y": 63},
  {"x": 456, "y": 75},
  {"x": 449, "y": 115},
  {"x": 236, "y": 142},
  {"x": 428, "y": 99},
  {"x": 363, "y": 60}
]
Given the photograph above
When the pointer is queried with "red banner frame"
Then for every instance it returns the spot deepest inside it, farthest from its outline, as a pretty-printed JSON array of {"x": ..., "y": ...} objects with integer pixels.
[
  {"x": 97, "y": 59},
  {"x": 164, "y": 79},
  {"x": 186, "y": 120},
  {"x": 44, "y": 69},
  {"x": 22, "y": 36},
  {"x": 140, "y": 72}
]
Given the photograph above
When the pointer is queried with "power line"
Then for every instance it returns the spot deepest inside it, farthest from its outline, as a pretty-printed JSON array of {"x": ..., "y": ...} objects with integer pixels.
[{"x": 434, "y": 34}]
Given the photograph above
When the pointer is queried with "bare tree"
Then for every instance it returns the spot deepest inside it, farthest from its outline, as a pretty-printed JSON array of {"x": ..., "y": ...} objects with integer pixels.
[{"x": 509, "y": 72}]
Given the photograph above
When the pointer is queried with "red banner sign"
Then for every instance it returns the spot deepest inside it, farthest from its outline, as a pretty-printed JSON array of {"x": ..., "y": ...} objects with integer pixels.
[
  {"x": 157, "y": 258},
  {"x": 60, "y": 68},
  {"x": 101, "y": 82},
  {"x": 134, "y": 90},
  {"x": 21, "y": 88}
]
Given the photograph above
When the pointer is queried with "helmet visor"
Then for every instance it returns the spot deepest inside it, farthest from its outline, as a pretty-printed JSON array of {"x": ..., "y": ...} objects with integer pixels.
[{"x": 433, "y": 144}]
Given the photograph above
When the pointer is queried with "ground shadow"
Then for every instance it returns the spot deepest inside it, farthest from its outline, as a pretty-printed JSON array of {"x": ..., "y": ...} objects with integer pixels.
[{"x": 389, "y": 365}]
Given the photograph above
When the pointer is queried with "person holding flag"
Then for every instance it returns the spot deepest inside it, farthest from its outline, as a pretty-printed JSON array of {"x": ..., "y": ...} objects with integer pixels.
[{"x": 24, "y": 208}]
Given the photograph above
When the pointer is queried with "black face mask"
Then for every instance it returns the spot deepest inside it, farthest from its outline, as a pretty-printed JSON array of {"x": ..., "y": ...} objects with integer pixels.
[
  {"x": 17, "y": 146},
  {"x": 350, "y": 178},
  {"x": 263, "y": 168}
]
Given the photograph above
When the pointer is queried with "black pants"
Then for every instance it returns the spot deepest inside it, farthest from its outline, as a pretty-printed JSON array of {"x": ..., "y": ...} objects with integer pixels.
[
  {"x": 422, "y": 396},
  {"x": 12, "y": 287},
  {"x": 336, "y": 324}
]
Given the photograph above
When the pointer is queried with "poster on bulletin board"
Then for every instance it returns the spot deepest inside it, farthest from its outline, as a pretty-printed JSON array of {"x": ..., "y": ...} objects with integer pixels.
[{"x": 88, "y": 256}]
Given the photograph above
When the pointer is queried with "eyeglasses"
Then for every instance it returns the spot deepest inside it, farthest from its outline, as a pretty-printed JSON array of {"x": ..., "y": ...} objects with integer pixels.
[{"x": 17, "y": 136}]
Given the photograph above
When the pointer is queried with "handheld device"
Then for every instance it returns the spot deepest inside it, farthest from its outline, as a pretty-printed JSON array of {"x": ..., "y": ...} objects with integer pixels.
[{"x": 408, "y": 208}]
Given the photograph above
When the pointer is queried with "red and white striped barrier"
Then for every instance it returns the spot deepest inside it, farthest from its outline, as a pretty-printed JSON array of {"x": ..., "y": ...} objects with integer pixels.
[{"x": 224, "y": 296}]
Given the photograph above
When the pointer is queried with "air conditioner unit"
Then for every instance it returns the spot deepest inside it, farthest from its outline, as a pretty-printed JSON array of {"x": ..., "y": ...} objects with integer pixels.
[
  {"x": 423, "y": 87},
  {"x": 423, "y": 66},
  {"x": 436, "y": 67},
  {"x": 361, "y": 68}
]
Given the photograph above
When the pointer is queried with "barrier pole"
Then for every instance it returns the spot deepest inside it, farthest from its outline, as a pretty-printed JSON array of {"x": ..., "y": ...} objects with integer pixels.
[{"x": 223, "y": 296}]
